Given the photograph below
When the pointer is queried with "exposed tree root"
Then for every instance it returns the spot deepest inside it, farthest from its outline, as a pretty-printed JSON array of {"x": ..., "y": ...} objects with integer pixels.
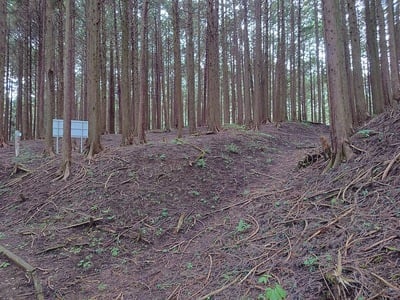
[
  {"x": 28, "y": 269},
  {"x": 65, "y": 171}
]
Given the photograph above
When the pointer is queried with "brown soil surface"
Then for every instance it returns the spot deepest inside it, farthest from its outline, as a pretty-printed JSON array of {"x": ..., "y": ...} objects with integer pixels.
[{"x": 224, "y": 216}]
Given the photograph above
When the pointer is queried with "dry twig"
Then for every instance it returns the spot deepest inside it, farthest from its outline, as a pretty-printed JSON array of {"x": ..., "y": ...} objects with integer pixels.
[{"x": 392, "y": 162}]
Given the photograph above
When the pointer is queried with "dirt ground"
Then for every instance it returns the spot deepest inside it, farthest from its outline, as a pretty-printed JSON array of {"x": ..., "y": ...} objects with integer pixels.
[{"x": 220, "y": 216}]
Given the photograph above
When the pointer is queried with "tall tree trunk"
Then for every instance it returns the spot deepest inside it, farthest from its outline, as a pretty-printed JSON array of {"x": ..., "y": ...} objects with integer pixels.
[
  {"x": 135, "y": 66},
  {"x": 59, "y": 66},
  {"x": 200, "y": 75},
  {"x": 93, "y": 77},
  {"x": 49, "y": 77},
  {"x": 357, "y": 79},
  {"x": 394, "y": 66},
  {"x": 3, "y": 51},
  {"x": 385, "y": 77},
  {"x": 157, "y": 69},
  {"x": 69, "y": 79},
  {"x": 373, "y": 57},
  {"x": 26, "y": 94},
  {"x": 111, "y": 92},
  {"x": 280, "y": 82},
  {"x": 126, "y": 78},
  {"x": 178, "y": 105},
  {"x": 190, "y": 69},
  {"x": 225, "y": 65},
  {"x": 117, "y": 65},
  {"x": 103, "y": 69},
  {"x": 144, "y": 75},
  {"x": 247, "y": 69},
  {"x": 267, "y": 66},
  {"x": 338, "y": 96},
  {"x": 212, "y": 62},
  {"x": 238, "y": 65},
  {"x": 258, "y": 68},
  {"x": 292, "y": 61},
  {"x": 40, "y": 131}
]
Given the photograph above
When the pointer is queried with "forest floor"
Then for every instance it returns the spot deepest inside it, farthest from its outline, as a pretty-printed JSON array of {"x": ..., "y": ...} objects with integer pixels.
[{"x": 219, "y": 216}]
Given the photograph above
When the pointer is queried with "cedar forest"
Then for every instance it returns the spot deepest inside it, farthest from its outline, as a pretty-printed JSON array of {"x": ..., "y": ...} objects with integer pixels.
[{"x": 255, "y": 140}]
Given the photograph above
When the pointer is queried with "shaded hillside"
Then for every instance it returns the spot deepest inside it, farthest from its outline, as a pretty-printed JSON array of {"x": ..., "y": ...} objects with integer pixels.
[{"x": 226, "y": 216}]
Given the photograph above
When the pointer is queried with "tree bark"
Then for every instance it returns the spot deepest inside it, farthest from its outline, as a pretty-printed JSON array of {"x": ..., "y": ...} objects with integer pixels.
[
  {"x": 69, "y": 91},
  {"x": 212, "y": 62},
  {"x": 143, "y": 78},
  {"x": 340, "y": 125},
  {"x": 373, "y": 57},
  {"x": 357, "y": 79},
  {"x": 49, "y": 77},
  {"x": 126, "y": 126},
  {"x": 394, "y": 66},
  {"x": 178, "y": 105},
  {"x": 93, "y": 78},
  {"x": 190, "y": 69},
  {"x": 3, "y": 51}
]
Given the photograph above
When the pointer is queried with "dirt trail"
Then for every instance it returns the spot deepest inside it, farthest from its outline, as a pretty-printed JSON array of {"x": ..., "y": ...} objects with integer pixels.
[{"x": 202, "y": 217}]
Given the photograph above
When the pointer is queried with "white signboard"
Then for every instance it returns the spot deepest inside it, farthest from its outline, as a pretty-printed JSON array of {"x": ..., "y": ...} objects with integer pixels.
[{"x": 79, "y": 129}]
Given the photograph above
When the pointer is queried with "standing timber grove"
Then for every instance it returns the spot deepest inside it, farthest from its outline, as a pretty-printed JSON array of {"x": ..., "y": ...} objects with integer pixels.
[{"x": 230, "y": 149}]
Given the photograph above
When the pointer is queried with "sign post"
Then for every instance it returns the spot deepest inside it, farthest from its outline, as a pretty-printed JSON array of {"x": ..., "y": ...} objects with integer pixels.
[
  {"x": 79, "y": 129},
  {"x": 18, "y": 135}
]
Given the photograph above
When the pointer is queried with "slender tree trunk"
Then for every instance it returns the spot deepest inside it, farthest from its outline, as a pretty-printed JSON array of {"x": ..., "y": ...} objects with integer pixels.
[
  {"x": 135, "y": 66},
  {"x": 59, "y": 62},
  {"x": 157, "y": 69},
  {"x": 212, "y": 62},
  {"x": 103, "y": 69},
  {"x": 394, "y": 66},
  {"x": 292, "y": 62},
  {"x": 40, "y": 131},
  {"x": 225, "y": 65},
  {"x": 373, "y": 57},
  {"x": 126, "y": 78},
  {"x": 190, "y": 69},
  {"x": 357, "y": 79},
  {"x": 248, "y": 120},
  {"x": 238, "y": 65},
  {"x": 258, "y": 68},
  {"x": 143, "y": 78},
  {"x": 200, "y": 75},
  {"x": 111, "y": 92},
  {"x": 178, "y": 106},
  {"x": 117, "y": 65},
  {"x": 3, "y": 51},
  {"x": 267, "y": 65},
  {"x": 280, "y": 82},
  {"x": 385, "y": 77},
  {"x": 49, "y": 77},
  {"x": 93, "y": 77},
  {"x": 69, "y": 78}
]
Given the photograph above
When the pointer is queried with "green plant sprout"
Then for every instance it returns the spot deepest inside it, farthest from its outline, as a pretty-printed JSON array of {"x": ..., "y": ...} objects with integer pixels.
[
  {"x": 232, "y": 148},
  {"x": 201, "y": 163},
  {"x": 242, "y": 226},
  {"x": 275, "y": 293}
]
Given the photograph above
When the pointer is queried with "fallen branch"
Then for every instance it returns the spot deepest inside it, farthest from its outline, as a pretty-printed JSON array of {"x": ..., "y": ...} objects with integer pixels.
[
  {"x": 330, "y": 224},
  {"x": 89, "y": 222},
  {"x": 386, "y": 282},
  {"x": 379, "y": 242},
  {"x": 27, "y": 267},
  {"x": 392, "y": 162},
  {"x": 200, "y": 156}
]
